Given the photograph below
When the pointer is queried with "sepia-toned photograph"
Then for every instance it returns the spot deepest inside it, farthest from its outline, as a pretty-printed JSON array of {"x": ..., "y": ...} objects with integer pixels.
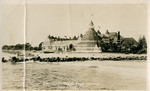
[{"x": 74, "y": 47}]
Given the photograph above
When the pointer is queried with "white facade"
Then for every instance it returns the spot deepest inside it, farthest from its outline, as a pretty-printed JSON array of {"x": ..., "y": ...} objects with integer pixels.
[{"x": 85, "y": 48}]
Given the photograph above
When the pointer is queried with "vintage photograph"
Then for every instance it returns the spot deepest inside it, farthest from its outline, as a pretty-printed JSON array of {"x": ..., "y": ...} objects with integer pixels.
[{"x": 74, "y": 47}]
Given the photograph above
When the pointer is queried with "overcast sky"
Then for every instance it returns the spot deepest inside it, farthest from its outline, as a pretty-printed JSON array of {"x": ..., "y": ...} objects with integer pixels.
[{"x": 69, "y": 20}]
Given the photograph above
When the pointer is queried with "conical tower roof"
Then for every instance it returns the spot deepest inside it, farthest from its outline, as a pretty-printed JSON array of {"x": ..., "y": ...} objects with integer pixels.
[{"x": 91, "y": 34}]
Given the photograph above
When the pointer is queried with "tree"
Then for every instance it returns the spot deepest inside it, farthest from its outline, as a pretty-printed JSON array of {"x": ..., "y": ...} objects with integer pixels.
[
  {"x": 105, "y": 46},
  {"x": 19, "y": 47},
  {"x": 74, "y": 38},
  {"x": 5, "y": 47},
  {"x": 35, "y": 48},
  {"x": 28, "y": 46},
  {"x": 142, "y": 45}
]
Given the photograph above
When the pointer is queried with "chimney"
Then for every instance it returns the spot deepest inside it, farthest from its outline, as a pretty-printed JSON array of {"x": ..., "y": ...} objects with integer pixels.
[
  {"x": 118, "y": 35},
  {"x": 107, "y": 32}
]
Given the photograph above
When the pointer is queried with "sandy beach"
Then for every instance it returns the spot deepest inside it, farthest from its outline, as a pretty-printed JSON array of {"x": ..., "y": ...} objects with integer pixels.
[{"x": 87, "y": 75}]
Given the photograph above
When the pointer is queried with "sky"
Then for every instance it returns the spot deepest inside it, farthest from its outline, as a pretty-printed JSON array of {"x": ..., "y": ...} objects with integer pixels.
[{"x": 62, "y": 20}]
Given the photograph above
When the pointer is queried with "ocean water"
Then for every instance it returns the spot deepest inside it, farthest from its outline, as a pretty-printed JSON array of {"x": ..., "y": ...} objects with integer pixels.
[{"x": 87, "y": 75}]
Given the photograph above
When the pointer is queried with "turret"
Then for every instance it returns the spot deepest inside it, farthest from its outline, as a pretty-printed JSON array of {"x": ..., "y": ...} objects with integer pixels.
[
  {"x": 107, "y": 32},
  {"x": 91, "y": 24}
]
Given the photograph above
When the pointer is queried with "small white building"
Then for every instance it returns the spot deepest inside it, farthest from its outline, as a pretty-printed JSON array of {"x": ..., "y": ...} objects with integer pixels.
[{"x": 51, "y": 46}]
